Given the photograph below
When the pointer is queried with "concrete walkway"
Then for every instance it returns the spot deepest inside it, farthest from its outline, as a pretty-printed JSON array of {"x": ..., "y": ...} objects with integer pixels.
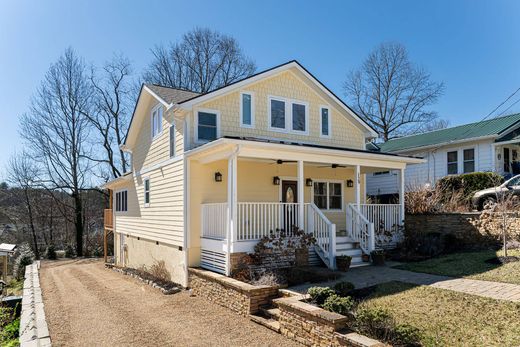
[{"x": 367, "y": 276}]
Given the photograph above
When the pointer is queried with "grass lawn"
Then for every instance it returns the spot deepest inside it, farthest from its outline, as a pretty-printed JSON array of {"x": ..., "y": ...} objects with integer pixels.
[
  {"x": 448, "y": 318},
  {"x": 470, "y": 265}
]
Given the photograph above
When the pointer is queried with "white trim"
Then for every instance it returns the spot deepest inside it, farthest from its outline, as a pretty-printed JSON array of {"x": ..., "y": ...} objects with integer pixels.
[
  {"x": 158, "y": 107},
  {"x": 288, "y": 104},
  {"x": 147, "y": 204},
  {"x": 322, "y": 107},
  {"x": 196, "y": 123},
  {"x": 475, "y": 158},
  {"x": 252, "y": 95},
  {"x": 159, "y": 165},
  {"x": 152, "y": 93},
  {"x": 187, "y": 216},
  {"x": 327, "y": 180},
  {"x": 442, "y": 144},
  {"x": 115, "y": 202},
  {"x": 174, "y": 128}
]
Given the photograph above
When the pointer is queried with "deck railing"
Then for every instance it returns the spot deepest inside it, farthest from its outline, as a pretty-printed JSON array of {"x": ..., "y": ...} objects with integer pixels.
[
  {"x": 108, "y": 220},
  {"x": 386, "y": 217},
  {"x": 324, "y": 231},
  {"x": 214, "y": 220},
  {"x": 360, "y": 229}
]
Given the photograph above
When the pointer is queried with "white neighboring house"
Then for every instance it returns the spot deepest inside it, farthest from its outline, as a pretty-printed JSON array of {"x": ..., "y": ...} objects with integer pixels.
[{"x": 490, "y": 145}]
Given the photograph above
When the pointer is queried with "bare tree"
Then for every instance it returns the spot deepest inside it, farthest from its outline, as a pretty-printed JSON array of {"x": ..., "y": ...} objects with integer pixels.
[
  {"x": 436, "y": 124},
  {"x": 202, "y": 61},
  {"x": 110, "y": 113},
  {"x": 23, "y": 173},
  {"x": 56, "y": 131},
  {"x": 391, "y": 94}
]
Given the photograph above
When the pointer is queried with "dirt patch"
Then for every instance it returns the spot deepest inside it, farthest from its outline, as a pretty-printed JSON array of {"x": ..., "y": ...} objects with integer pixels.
[
  {"x": 88, "y": 305},
  {"x": 502, "y": 260}
]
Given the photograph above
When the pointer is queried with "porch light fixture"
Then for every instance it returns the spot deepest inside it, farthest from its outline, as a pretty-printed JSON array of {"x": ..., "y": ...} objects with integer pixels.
[
  {"x": 308, "y": 182},
  {"x": 276, "y": 180},
  {"x": 350, "y": 183},
  {"x": 218, "y": 177}
]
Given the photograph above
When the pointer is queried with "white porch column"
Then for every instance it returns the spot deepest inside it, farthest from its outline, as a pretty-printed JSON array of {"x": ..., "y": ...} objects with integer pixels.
[
  {"x": 357, "y": 186},
  {"x": 231, "y": 207},
  {"x": 301, "y": 206},
  {"x": 401, "y": 195}
]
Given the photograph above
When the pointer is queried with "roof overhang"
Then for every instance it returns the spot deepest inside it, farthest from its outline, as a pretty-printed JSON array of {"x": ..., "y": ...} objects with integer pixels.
[
  {"x": 223, "y": 148},
  {"x": 116, "y": 182},
  {"x": 442, "y": 144}
]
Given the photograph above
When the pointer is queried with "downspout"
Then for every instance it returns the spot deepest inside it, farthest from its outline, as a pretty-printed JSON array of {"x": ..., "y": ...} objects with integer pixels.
[{"x": 231, "y": 208}]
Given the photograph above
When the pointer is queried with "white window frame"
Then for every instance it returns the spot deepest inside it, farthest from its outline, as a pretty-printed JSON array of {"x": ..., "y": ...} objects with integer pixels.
[
  {"x": 252, "y": 95},
  {"x": 147, "y": 204},
  {"x": 172, "y": 150},
  {"x": 327, "y": 181},
  {"x": 159, "y": 110},
  {"x": 474, "y": 159},
  {"x": 120, "y": 207},
  {"x": 448, "y": 162},
  {"x": 288, "y": 129},
  {"x": 322, "y": 107},
  {"x": 196, "y": 128}
]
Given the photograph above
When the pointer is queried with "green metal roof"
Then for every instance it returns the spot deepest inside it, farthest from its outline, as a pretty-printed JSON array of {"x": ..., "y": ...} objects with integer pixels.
[{"x": 489, "y": 127}]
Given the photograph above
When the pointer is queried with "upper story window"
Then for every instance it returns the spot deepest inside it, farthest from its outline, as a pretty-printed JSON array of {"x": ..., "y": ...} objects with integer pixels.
[
  {"x": 207, "y": 125},
  {"x": 325, "y": 121},
  {"x": 469, "y": 160},
  {"x": 288, "y": 115},
  {"x": 247, "y": 110},
  {"x": 156, "y": 121},
  {"x": 146, "y": 192},
  {"x": 328, "y": 195},
  {"x": 172, "y": 140},
  {"x": 122, "y": 201},
  {"x": 453, "y": 163}
]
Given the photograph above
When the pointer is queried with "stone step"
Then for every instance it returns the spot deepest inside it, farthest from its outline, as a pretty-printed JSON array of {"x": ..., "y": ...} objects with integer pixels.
[
  {"x": 266, "y": 322},
  {"x": 343, "y": 239},
  {"x": 272, "y": 312},
  {"x": 347, "y": 245},
  {"x": 352, "y": 252}
]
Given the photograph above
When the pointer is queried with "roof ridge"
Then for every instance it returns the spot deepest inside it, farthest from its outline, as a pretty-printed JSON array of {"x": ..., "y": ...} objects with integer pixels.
[
  {"x": 180, "y": 89},
  {"x": 454, "y": 127}
]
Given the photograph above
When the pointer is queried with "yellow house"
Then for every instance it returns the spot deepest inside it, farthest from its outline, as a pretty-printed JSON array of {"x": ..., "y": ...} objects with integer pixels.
[{"x": 213, "y": 173}]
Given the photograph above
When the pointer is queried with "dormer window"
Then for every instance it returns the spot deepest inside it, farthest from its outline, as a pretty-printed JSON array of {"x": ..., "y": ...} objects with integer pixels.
[
  {"x": 207, "y": 125},
  {"x": 156, "y": 121}
]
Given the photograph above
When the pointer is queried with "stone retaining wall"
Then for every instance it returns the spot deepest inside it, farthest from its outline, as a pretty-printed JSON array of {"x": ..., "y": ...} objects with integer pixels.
[
  {"x": 33, "y": 326},
  {"x": 314, "y": 326},
  {"x": 468, "y": 227},
  {"x": 240, "y": 297}
]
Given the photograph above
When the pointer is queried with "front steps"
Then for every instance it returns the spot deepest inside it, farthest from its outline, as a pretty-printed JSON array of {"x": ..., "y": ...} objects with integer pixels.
[{"x": 268, "y": 317}]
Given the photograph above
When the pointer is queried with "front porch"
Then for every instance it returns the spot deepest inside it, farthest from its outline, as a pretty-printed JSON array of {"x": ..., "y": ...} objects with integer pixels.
[{"x": 243, "y": 195}]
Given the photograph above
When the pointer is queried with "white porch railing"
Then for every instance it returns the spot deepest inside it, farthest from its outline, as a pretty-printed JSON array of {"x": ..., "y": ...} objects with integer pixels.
[
  {"x": 214, "y": 220},
  {"x": 324, "y": 231},
  {"x": 257, "y": 219},
  {"x": 360, "y": 229},
  {"x": 384, "y": 216}
]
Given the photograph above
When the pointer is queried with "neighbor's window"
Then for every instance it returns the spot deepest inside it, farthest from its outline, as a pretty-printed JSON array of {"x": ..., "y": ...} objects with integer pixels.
[
  {"x": 156, "y": 121},
  {"x": 379, "y": 173},
  {"x": 246, "y": 110},
  {"x": 277, "y": 114},
  {"x": 206, "y": 126},
  {"x": 452, "y": 163},
  {"x": 172, "y": 140},
  {"x": 328, "y": 195},
  {"x": 325, "y": 121},
  {"x": 146, "y": 192},
  {"x": 122, "y": 201},
  {"x": 469, "y": 160},
  {"x": 299, "y": 115}
]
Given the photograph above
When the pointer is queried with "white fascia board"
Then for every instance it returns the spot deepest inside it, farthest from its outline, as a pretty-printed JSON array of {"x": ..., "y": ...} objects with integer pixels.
[
  {"x": 443, "y": 144},
  {"x": 161, "y": 100},
  {"x": 116, "y": 181}
]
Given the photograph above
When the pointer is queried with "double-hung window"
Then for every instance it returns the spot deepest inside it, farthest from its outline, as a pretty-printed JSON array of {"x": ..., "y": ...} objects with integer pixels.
[
  {"x": 146, "y": 192},
  {"x": 325, "y": 121},
  {"x": 156, "y": 121},
  {"x": 207, "y": 125},
  {"x": 288, "y": 115},
  {"x": 122, "y": 201},
  {"x": 469, "y": 160},
  {"x": 172, "y": 140},
  {"x": 453, "y": 163},
  {"x": 247, "y": 110},
  {"x": 328, "y": 195}
]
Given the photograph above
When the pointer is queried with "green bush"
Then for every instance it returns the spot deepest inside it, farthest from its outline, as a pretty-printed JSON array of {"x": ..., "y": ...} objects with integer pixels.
[
  {"x": 405, "y": 334},
  {"x": 50, "y": 252},
  {"x": 320, "y": 294},
  {"x": 338, "y": 304},
  {"x": 468, "y": 183},
  {"x": 343, "y": 288}
]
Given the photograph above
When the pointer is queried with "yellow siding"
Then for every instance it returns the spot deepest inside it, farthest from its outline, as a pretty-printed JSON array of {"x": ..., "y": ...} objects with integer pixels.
[{"x": 286, "y": 85}]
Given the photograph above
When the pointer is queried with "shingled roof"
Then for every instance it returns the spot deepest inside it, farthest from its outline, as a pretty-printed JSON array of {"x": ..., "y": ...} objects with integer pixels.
[
  {"x": 172, "y": 95},
  {"x": 490, "y": 127}
]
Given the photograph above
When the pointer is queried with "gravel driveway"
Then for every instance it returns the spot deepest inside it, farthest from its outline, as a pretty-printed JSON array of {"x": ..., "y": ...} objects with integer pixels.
[{"x": 88, "y": 305}]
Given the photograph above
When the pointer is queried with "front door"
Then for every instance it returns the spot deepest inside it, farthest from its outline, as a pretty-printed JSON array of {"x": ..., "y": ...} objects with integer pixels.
[
  {"x": 507, "y": 163},
  {"x": 289, "y": 208}
]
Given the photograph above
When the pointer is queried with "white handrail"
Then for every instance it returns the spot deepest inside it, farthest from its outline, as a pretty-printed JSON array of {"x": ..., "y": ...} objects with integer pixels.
[
  {"x": 386, "y": 217},
  {"x": 360, "y": 229},
  {"x": 324, "y": 231}
]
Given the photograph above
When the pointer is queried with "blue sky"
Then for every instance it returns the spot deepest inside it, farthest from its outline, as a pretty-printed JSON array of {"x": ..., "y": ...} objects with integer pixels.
[{"x": 472, "y": 46}]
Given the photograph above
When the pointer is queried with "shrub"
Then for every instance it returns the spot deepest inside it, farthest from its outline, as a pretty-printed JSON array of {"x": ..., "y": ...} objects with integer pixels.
[
  {"x": 320, "y": 294},
  {"x": 338, "y": 304},
  {"x": 468, "y": 183},
  {"x": 343, "y": 288},
  {"x": 25, "y": 257},
  {"x": 407, "y": 335},
  {"x": 70, "y": 252},
  {"x": 158, "y": 270},
  {"x": 50, "y": 252}
]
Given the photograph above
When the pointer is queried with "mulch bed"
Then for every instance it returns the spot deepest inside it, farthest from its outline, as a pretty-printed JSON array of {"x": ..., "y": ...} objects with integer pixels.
[{"x": 167, "y": 287}]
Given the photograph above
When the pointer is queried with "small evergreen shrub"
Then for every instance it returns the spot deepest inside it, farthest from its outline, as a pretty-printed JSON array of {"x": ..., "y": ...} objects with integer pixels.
[
  {"x": 343, "y": 288},
  {"x": 468, "y": 183},
  {"x": 338, "y": 304},
  {"x": 50, "y": 252},
  {"x": 70, "y": 252},
  {"x": 25, "y": 257},
  {"x": 320, "y": 294}
]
